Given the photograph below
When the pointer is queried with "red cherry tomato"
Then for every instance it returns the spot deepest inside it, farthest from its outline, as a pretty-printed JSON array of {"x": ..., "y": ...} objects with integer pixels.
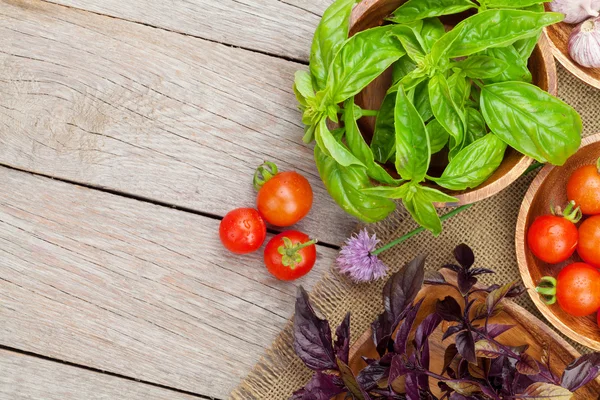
[
  {"x": 598, "y": 319},
  {"x": 242, "y": 230},
  {"x": 589, "y": 241},
  {"x": 584, "y": 188},
  {"x": 552, "y": 239},
  {"x": 578, "y": 289},
  {"x": 284, "y": 198},
  {"x": 290, "y": 255}
]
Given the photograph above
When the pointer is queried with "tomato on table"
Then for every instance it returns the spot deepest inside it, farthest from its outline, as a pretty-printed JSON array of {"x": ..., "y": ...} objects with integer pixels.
[
  {"x": 242, "y": 230},
  {"x": 589, "y": 241},
  {"x": 554, "y": 238},
  {"x": 576, "y": 289},
  {"x": 284, "y": 198},
  {"x": 584, "y": 188},
  {"x": 290, "y": 255}
]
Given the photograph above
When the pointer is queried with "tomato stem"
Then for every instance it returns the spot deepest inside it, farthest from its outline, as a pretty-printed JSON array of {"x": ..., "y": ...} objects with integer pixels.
[
  {"x": 571, "y": 212},
  {"x": 547, "y": 289},
  {"x": 264, "y": 173},
  {"x": 289, "y": 251}
]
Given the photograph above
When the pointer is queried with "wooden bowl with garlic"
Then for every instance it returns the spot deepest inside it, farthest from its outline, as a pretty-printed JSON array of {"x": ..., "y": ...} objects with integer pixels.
[{"x": 575, "y": 42}]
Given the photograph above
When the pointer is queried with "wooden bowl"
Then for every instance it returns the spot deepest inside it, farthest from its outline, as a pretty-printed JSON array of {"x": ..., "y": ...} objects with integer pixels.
[
  {"x": 558, "y": 38},
  {"x": 548, "y": 188},
  {"x": 371, "y": 13},
  {"x": 528, "y": 330}
]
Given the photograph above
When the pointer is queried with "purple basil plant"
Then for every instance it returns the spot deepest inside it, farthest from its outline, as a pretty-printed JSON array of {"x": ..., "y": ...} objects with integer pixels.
[{"x": 476, "y": 365}]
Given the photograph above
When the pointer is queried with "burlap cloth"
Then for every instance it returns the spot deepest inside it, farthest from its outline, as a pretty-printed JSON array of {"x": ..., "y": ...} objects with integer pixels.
[{"x": 488, "y": 227}]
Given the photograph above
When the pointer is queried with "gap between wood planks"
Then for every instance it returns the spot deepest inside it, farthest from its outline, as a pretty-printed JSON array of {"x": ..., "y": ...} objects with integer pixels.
[
  {"x": 266, "y": 53},
  {"x": 84, "y": 367},
  {"x": 146, "y": 200}
]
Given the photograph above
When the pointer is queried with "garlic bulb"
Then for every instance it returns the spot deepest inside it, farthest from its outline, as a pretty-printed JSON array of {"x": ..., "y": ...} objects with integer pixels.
[
  {"x": 576, "y": 10},
  {"x": 584, "y": 43}
]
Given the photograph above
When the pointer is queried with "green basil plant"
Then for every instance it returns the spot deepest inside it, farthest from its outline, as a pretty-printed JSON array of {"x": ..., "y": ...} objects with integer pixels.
[{"x": 467, "y": 90}]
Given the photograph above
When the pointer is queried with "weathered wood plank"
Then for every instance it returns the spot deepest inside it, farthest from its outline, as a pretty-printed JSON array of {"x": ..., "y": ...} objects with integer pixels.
[
  {"x": 133, "y": 288},
  {"x": 141, "y": 110},
  {"x": 279, "y": 27},
  {"x": 24, "y": 377}
]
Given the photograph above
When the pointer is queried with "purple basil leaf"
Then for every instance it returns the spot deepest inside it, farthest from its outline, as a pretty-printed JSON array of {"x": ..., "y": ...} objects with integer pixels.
[
  {"x": 411, "y": 387},
  {"x": 452, "y": 267},
  {"x": 372, "y": 374},
  {"x": 351, "y": 383},
  {"x": 516, "y": 291},
  {"x": 481, "y": 271},
  {"x": 426, "y": 328},
  {"x": 434, "y": 278},
  {"x": 457, "y": 396},
  {"x": 495, "y": 330},
  {"x": 489, "y": 392},
  {"x": 388, "y": 394},
  {"x": 465, "y": 281},
  {"x": 402, "y": 288},
  {"x": 449, "y": 309},
  {"x": 320, "y": 387},
  {"x": 581, "y": 372},
  {"x": 405, "y": 328},
  {"x": 449, "y": 356},
  {"x": 466, "y": 346},
  {"x": 464, "y": 255},
  {"x": 398, "y": 368},
  {"x": 312, "y": 336},
  {"x": 423, "y": 379},
  {"x": 342, "y": 340},
  {"x": 495, "y": 297},
  {"x": 463, "y": 369},
  {"x": 368, "y": 360},
  {"x": 382, "y": 332},
  {"x": 452, "y": 330}
]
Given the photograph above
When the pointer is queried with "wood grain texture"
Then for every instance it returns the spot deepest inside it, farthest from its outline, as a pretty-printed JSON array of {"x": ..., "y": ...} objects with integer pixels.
[
  {"x": 372, "y": 13},
  {"x": 25, "y": 377},
  {"x": 527, "y": 330},
  {"x": 152, "y": 113},
  {"x": 133, "y": 288},
  {"x": 558, "y": 36},
  {"x": 279, "y": 27},
  {"x": 549, "y": 188}
]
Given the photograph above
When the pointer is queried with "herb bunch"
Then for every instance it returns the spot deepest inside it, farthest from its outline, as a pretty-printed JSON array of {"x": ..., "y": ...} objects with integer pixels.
[
  {"x": 476, "y": 365},
  {"x": 467, "y": 91}
]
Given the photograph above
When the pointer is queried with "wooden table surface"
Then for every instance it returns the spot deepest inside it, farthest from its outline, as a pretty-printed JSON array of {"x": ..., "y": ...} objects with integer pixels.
[{"x": 128, "y": 129}]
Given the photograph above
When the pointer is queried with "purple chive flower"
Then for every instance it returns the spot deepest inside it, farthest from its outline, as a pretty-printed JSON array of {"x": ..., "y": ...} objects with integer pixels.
[{"x": 357, "y": 261}]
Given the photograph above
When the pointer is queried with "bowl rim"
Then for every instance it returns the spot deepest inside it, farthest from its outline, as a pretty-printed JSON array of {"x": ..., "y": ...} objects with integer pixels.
[
  {"x": 520, "y": 243},
  {"x": 479, "y": 193}
]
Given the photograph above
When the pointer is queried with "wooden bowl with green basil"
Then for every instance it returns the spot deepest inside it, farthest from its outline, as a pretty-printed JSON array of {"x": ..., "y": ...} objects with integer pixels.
[{"x": 439, "y": 103}]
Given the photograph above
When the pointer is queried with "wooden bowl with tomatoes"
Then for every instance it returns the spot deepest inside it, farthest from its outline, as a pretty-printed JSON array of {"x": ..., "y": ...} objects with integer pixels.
[{"x": 559, "y": 255}]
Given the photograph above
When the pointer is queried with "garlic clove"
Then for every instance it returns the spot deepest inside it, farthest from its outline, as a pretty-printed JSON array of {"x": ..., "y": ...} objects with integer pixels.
[
  {"x": 584, "y": 43},
  {"x": 576, "y": 10}
]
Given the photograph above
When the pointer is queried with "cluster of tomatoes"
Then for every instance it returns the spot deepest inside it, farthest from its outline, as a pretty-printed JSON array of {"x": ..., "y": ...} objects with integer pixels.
[
  {"x": 555, "y": 238},
  {"x": 284, "y": 198}
]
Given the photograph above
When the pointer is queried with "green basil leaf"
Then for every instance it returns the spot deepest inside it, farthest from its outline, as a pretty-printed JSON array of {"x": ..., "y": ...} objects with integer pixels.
[
  {"x": 482, "y": 67},
  {"x": 476, "y": 128},
  {"x": 439, "y": 50},
  {"x": 358, "y": 146},
  {"x": 332, "y": 147},
  {"x": 460, "y": 88},
  {"x": 419, "y": 202},
  {"x": 517, "y": 67},
  {"x": 404, "y": 66},
  {"x": 433, "y": 29},
  {"x": 474, "y": 164},
  {"x": 498, "y": 28},
  {"x": 446, "y": 111},
  {"x": 421, "y": 101},
  {"x": 303, "y": 87},
  {"x": 411, "y": 41},
  {"x": 412, "y": 144},
  {"x": 360, "y": 60},
  {"x": 330, "y": 35},
  {"x": 420, "y": 9},
  {"x": 532, "y": 121},
  {"x": 526, "y": 46},
  {"x": 438, "y": 136},
  {"x": 389, "y": 192},
  {"x": 345, "y": 185},
  {"x": 509, "y": 3},
  {"x": 384, "y": 136}
]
